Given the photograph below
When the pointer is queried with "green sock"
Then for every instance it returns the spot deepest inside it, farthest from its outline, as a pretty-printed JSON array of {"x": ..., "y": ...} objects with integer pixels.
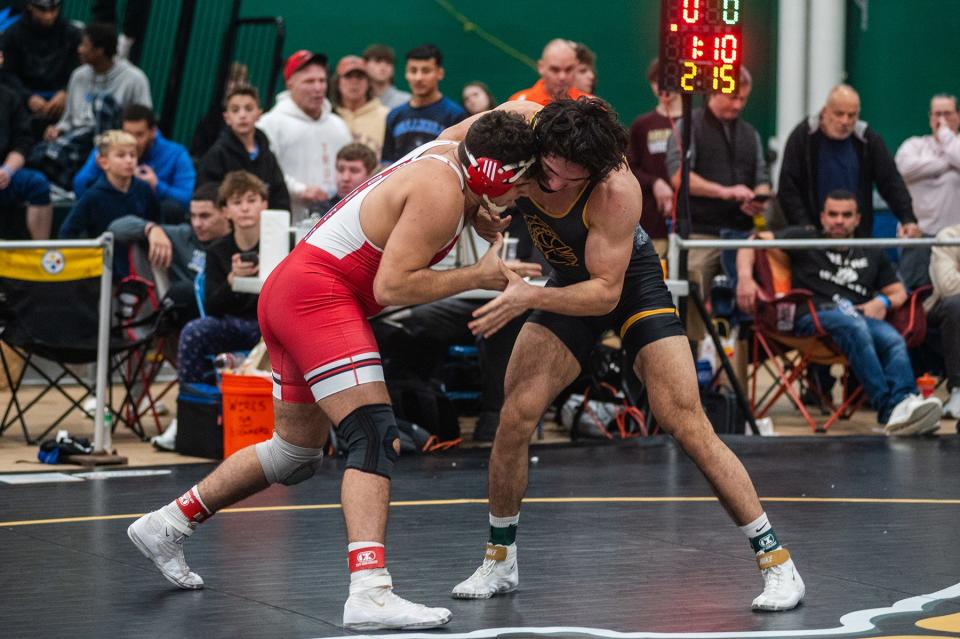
[
  {"x": 765, "y": 542},
  {"x": 503, "y": 530}
]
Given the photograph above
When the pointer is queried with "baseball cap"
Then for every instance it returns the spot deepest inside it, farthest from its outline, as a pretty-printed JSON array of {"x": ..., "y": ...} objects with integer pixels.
[
  {"x": 301, "y": 59},
  {"x": 350, "y": 63},
  {"x": 44, "y": 4}
]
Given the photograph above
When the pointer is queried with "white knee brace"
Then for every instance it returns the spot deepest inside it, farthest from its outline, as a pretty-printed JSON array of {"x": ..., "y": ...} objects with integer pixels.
[{"x": 284, "y": 463}]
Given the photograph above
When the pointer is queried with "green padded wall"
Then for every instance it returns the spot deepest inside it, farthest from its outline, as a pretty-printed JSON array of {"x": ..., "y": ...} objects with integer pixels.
[{"x": 907, "y": 54}]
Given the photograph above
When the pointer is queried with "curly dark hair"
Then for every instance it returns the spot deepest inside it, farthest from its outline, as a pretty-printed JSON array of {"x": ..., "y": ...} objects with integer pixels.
[
  {"x": 502, "y": 136},
  {"x": 585, "y": 132}
]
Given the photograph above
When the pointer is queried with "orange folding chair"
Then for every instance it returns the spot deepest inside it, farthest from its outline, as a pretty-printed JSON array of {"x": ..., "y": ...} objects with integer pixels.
[{"x": 788, "y": 355}]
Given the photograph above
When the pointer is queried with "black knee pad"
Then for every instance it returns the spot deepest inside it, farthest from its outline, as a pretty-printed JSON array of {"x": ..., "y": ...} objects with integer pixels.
[{"x": 368, "y": 434}]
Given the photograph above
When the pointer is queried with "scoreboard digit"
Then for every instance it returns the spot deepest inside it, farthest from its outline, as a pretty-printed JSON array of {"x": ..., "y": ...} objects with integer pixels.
[{"x": 700, "y": 46}]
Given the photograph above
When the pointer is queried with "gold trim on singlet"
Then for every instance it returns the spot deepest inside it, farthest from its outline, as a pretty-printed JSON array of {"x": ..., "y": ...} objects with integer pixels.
[
  {"x": 558, "y": 216},
  {"x": 636, "y": 317}
]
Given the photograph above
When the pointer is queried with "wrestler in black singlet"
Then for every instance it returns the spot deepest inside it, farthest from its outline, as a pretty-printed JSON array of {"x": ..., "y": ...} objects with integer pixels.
[{"x": 645, "y": 312}]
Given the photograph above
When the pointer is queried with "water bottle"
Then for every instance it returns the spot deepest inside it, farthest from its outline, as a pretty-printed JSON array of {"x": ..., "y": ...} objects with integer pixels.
[{"x": 229, "y": 361}]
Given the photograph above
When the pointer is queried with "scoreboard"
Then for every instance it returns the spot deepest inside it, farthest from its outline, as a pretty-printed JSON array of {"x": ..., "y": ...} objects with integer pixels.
[{"x": 700, "y": 46}]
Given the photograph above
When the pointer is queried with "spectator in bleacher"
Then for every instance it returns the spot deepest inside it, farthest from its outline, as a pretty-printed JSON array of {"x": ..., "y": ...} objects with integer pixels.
[
  {"x": 355, "y": 163},
  {"x": 647, "y": 155},
  {"x": 943, "y": 308},
  {"x": 136, "y": 14},
  {"x": 930, "y": 165},
  {"x": 380, "y": 67},
  {"x": 727, "y": 174},
  {"x": 305, "y": 133},
  {"x": 352, "y": 96},
  {"x": 585, "y": 77},
  {"x": 211, "y": 125},
  {"x": 97, "y": 93},
  {"x": 20, "y": 185},
  {"x": 244, "y": 147},
  {"x": 836, "y": 150},
  {"x": 476, "y": 98},
  {"x": 853, "y": 290},
  {"x": 115, "y": 193},
  {"x": 427, "y": 113},
  {"x": 180, "y": 249},
  {"x": 231, "y": 318},
  {"x": 163, "y": 164},
  {"x": 557, "y": 67},
  {"x": 41, "y": 51}
]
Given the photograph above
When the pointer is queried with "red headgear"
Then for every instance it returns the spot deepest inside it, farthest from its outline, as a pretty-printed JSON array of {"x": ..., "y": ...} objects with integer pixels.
[{"x": 487, "y": 177}]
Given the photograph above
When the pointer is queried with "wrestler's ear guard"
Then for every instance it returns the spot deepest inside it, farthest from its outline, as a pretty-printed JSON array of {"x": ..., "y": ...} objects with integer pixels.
[{"x": 487, "y": 176}]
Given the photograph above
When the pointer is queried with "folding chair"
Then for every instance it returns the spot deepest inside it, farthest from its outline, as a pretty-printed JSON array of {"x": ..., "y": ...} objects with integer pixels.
[
  {"x": 788, "y": 355},
  {"x": 50, "y": 311}
]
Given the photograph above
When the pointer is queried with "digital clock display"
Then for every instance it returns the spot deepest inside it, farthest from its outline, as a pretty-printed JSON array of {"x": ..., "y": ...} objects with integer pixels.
[{"x": 700, "y": 46}]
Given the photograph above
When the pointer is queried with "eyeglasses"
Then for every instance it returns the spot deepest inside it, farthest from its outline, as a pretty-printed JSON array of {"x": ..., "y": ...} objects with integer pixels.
[{"x": 844, "y": 214}]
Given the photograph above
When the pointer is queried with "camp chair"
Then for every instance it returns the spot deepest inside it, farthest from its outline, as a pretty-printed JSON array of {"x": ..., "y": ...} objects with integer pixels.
[
  {"x": 50, "y": 311},
  {"x": 787, "y": 355}
]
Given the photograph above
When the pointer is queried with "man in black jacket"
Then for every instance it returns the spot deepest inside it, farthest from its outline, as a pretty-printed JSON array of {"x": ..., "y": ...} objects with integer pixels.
[
  {"x": 41, "y": 51},
  {"x": 836, "y": 150},
  {"x": 17, "y": 184},
  {"x": 244, "y": 147}
]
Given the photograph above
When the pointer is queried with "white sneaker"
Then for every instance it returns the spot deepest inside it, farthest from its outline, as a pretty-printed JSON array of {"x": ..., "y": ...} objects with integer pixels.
[
  {"x": 952, "y": 408},
  {"x": 497, "y": 574},
  {"x": 162, "y": 544},
  {"x": 373, "y": 606},
  {"x": 782, "y": 586},
  {"x": 144, "y": 407},
  {"x": 168, "y": 439},
  {"x": 912, "y": 414}
]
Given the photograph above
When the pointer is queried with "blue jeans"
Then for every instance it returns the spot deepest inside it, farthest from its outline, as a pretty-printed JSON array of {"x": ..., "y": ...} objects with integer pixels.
[
  {"x": 875, "y": 352},
  {"x": 28, "y": 186},
  {"x": 205, "y": 337}
]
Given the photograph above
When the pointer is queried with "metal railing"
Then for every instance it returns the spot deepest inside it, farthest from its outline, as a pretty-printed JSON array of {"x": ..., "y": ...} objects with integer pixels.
[{"x": 678, "y": 244}]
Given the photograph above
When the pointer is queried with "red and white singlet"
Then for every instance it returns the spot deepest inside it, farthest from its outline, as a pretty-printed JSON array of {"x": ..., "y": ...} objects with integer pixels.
[{"x": 314, "y": 306}]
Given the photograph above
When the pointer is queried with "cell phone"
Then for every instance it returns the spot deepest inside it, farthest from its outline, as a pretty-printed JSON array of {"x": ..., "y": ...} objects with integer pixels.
[
  {"x": 761, "y": 197},
  {"x": 250, "y": 257}
]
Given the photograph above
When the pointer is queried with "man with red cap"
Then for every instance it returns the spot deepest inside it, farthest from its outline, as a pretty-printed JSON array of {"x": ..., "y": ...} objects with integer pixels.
[{"x": 305, "y": 134}]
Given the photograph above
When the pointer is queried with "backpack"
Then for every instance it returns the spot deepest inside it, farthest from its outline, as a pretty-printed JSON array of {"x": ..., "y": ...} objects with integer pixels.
[{"x": 426, "y": 405}]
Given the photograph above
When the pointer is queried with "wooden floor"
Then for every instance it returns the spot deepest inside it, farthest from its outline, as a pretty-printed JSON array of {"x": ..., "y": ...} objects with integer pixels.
[{"x": 17, "y": 456}]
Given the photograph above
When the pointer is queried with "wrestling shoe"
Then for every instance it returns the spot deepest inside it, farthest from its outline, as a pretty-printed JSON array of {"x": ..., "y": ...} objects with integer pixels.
[
  {"x": 162, "y": 544},
  {"x": 373, "y": 606},
  {"x": 497, "y": 574},
  {"x": 914, "y": 415},
  {"x": 782, "y": 586}
]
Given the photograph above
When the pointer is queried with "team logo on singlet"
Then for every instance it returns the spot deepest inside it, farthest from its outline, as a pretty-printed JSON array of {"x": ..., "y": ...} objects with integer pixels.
[{"x": 549, "y": 243}]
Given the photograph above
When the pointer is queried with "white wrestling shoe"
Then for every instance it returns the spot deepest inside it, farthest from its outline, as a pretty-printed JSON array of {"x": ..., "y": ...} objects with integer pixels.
[
  {"x": 162, "y": 544},
  {"x": 782, "y": 586},
  {"x": 497, "y": 574},
  {"x": 373, "y": 606}
]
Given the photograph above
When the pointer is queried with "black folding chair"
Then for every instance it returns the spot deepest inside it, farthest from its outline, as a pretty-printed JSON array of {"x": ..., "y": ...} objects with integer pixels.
[{"x": 49, "y": 310}]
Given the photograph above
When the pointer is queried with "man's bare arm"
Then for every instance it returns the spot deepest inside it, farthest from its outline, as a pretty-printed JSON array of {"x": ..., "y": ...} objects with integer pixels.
[
  {"x": 426, "y": 225},
  {"x": 459, "y": 131},
  {"x": 608, "y": 250}
]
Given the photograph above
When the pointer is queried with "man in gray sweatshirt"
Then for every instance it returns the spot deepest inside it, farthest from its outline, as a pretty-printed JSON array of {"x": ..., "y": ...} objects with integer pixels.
[{"x": 179, "y": 248}]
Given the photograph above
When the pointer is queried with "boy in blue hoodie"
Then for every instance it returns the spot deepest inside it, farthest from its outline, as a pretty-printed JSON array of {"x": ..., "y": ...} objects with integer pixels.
[
  {"x": 163, "y": 164},
  {"x": 115, "y": 193}
]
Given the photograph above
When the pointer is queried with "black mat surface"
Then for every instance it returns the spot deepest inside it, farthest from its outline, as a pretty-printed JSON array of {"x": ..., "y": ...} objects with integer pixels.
[{"x": 629, "y": 552}]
